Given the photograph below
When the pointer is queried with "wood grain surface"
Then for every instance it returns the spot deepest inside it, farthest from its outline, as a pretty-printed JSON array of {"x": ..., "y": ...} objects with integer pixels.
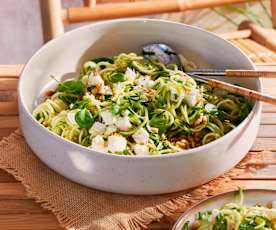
[{"x": 20, "y": 212}]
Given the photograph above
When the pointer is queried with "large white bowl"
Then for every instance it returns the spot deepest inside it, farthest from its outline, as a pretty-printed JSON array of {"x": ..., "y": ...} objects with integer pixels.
[{"x": 127, "y": 174}]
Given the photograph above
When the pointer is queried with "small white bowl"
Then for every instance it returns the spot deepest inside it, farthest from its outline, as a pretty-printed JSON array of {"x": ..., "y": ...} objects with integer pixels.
[
  {"x": 251, "y": 197},
  {"x": 128, "y": 174}
]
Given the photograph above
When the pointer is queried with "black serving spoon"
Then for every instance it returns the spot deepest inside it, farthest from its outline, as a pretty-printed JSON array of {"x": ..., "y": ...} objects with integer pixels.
[{"x": 166, "y": 55}]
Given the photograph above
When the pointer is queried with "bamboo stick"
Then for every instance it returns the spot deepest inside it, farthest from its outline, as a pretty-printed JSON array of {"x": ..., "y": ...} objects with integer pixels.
[
  {"x": 12, "y": 71},
  {"x": 236, "y": 34},
  {"x": 8, "y": 108},
  {"x": 8, "y": 84},
  {"x": 242, "y": 91},
  {"x": 90, "y": 3},
  {"x": 119, "y": 10},
  {"x": 252, "y": 56},
  {"x": 265, "y": 54},
  {"x": 51, "y": 14},
  {"x": 9, "y": 122},
  {"x": 273, "y": 10},
  {"x": 250, "y": 73},
  {"x": 260, "y": 35}
]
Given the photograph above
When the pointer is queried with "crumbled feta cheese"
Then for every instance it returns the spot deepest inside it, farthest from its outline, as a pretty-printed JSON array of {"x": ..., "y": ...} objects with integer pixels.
[
  {"x": 95, "y": 79},
  {"x": 141, "y": 150},
  {"x": 215, "y": 213},
  {"x": 108, "y": 117},
  {"x": 71, "y": 117},
  {"x": 273, "y": 204},
  {"x": 118, "y": 88},
  {"x": 97, "y": 128},
  {"x": 98, "y": 144},
  {"x": 146, "y": 82},
  {"x": 105, "y": 89},
  {"x": 110, "y": 129},
  {"x": 191, "y": 97},
  {"x": 210, "y": 107},
  {"x": 123, "y": 123},
  {"x": 141, "y": 136},
  {"x": 131, "y": 75},
  {"x": 116, "y": 143}
]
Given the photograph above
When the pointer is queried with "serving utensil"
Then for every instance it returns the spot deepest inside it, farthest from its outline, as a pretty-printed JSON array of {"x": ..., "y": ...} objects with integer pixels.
[
  {"x": 233, "y": 73},
  {"x": 165, "y": 54}
]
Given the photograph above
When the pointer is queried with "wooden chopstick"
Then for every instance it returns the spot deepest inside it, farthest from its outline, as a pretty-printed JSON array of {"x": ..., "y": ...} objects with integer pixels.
[
  {"x": 233, "y": 73},
  {"x": 250, "y": 73},
  {"x": 242, "y": 91}
]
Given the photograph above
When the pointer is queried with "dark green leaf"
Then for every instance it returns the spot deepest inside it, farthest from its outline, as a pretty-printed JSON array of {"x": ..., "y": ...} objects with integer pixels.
[
  {"x": 159, "y": 121},
  {"x": 84, "y": 119},
  {"x": 72, "y": 86},
  {"x": 117, "y": 77},
  {"x": 115, "y": 109}
]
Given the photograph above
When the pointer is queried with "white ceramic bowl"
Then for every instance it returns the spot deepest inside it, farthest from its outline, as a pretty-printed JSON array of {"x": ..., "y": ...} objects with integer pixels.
[
  {"x": 251, "y": 198},
  {"x": 127, "y": 174}
]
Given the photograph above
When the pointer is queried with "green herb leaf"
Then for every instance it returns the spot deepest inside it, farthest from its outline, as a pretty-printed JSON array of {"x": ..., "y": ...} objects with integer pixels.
[
  {"x": 160, "y": 122},
  {"x": 115, "y": 109},
  {"x": 84, "y": 119},
  {"x": 117, "y": 77},
  {"x": 84, "y": 104},
  {"x": 72, "y": 86}
]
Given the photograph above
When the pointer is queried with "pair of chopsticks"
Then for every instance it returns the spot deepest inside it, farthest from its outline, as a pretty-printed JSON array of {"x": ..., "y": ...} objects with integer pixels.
[{"x": 204, "y": 73}]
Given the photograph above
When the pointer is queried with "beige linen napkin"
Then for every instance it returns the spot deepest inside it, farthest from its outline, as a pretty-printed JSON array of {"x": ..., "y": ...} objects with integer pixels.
[{"x": 80, "y": 208}]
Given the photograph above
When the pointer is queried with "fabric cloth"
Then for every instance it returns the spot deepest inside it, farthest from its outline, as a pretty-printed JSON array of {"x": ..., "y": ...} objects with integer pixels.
[{"x": 80, "y": 208}]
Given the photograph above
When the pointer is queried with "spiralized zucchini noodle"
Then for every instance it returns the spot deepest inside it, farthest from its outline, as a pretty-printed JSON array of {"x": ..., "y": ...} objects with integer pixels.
[
  {"x": 132, "y": 106},
  {"x": 236, "y": 216}
]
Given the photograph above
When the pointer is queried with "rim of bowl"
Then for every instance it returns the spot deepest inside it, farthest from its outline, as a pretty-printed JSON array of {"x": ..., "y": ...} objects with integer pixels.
[
  {"x": 216, "y": 197},
  {"x": 256, "y": 108}
]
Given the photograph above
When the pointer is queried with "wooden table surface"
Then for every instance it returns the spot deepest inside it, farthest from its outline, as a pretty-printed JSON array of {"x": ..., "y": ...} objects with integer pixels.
[{"x": 19, "y": 212}]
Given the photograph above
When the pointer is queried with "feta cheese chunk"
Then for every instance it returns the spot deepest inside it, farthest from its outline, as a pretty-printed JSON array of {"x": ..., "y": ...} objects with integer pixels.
[
  {"x": 130, "y": 74},
  {"x": 123, "y": 123},
  {"x": 273, "y": 204},
  {"x": 116, "y": 143},
  {"x": 210, "y": 107},
  {"x": 98, "y": 144},
  {"x": 215, "y": 213},
  {"x": 108, "y": 117},
  {"x": 95, "y": 79},
  {"x": 71, "y": 117},
  {"x": 97, "y": 128},
  {"x": 110, "y": 129},
  {"x": 141, "y": 150},
  {"x": 146, "y": 82},
  {"x": 191, "y": 97},
  {"x": 141, "y": 136}
]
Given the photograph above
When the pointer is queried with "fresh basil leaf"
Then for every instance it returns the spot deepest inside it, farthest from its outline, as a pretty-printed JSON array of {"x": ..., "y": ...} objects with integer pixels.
[
  {"x": 72, "y": 86},
  {"x": 117, "y": 77},
  {"x": 84, "y": 119},
  {"x": 69, "y": 98},
  {"x": 115, "y": 109},
  {"x": 105, "y": 59},
  {"x": 84, "y": 104},
  {"x": 160, "y": 122}
]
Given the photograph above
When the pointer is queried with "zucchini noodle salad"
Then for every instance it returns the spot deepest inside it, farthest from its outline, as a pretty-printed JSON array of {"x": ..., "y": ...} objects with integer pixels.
[
  {"x": 236, "y": 216},
  {"x": 129, "y": 105}
]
